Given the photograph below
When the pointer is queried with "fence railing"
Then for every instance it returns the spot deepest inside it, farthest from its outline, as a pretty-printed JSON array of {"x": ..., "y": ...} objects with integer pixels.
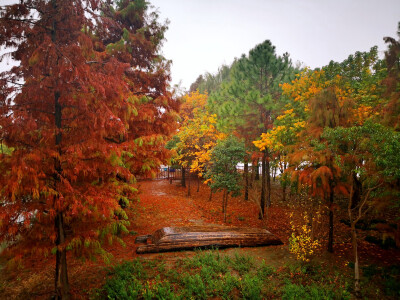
[{"x": 170, "y": 173}]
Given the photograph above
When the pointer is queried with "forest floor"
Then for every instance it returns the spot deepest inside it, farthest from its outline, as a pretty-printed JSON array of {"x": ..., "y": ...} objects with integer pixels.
[{"x": 164, "y": 204}]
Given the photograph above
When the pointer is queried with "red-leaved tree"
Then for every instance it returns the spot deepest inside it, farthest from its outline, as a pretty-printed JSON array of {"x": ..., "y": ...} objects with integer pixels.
[{"x": 86, "y": 110}]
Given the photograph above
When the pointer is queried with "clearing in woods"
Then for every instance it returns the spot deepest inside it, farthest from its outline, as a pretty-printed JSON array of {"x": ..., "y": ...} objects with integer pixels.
[{"x": 164, "y": 204}]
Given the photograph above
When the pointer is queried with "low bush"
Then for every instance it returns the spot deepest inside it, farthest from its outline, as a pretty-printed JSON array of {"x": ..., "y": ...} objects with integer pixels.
[{"x": 209, "y": 274}]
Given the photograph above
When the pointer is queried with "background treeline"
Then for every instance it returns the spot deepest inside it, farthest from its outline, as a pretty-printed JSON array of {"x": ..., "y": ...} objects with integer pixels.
[{"x": 332, "y": 133}]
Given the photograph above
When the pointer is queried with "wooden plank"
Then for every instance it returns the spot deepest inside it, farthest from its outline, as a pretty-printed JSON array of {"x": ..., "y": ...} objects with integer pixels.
[{"x": 185, "y": 238}]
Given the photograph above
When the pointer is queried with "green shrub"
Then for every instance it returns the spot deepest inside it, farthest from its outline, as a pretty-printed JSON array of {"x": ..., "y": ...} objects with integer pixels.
[
  {"x": 208, "y": 258},
  {"x": 123, "y": 288},
  {"x": 295, "y": 291},
  {"x": 242, "y": 263},
  {"x": 160, "y": 290},
  {"x": 251, "y": 287},
  {"x": 228, "y": 285},
  {"x": 265, "y": 271},
  {"x": 194, "y": 286}
]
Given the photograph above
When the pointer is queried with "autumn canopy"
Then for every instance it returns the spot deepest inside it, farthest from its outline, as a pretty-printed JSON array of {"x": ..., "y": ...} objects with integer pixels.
[{"x": 85, "y": 111}]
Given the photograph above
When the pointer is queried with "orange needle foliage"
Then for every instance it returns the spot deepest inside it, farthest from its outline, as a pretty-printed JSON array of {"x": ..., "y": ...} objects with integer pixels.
[{"x": 92, "y": 112}]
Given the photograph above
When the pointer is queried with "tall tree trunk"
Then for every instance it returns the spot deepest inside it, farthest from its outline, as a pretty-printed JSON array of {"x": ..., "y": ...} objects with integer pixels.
[
  {"x": 198, "y": 183},
  {"x": 284, "y": 191},
  {"x": 282, "y": 168},
  {"x": 253, "y": 172},
  {"x": 61, "y": 277},
  {"x": 211, "y": 192},
  {"x": 246, "y": 179},
  {"x": 183, "y": 179},
  {"x": 357, "y": 289},
  {"x": 330, "y": 237},
  {"x": 189, "y": 181},
  {"x": 263, "y": 189},
  {"x": 223, "y": 203},
  {"x": 226, "y": 205},
  {"x": 268, "y": 174},
  {"x": 274, "y": 173},
  {"x": 257, "y": 171},
  {"x": 354, "y": 199}
]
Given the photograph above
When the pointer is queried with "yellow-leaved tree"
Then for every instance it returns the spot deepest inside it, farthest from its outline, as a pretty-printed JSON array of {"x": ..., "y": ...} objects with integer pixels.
[{"x": 197, "y": 136}]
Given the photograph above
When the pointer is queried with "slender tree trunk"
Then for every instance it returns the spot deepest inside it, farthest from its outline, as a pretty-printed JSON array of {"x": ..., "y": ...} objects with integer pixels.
[
  {"x": 223, "y": 205},
  {"x": 61, "y": 274},
  {"x": 282, "y": 168},
  {"x": 274, "y": 173},
  {"x": 330, "y": 237},
  {"x": 357, "y": 289},
  {"x": 263, "y": 188},
  {"x": 226, "y": 205},
  {"x": 189, "y": 181},
  {"x": 257, "y": 171},
  {"x": 198, "y": 183},
  {"x": 353, "y": 201},
  {"x": 211, "y": 192},
  {"x": 268, "y": 174},
  {"x": 183, "y": 179},
  {"x": 284, "y": 191},
  {"x": 253, "y": 172},
  {"x": 246, "y": 179},
  {"x": 61, "y": 278}
]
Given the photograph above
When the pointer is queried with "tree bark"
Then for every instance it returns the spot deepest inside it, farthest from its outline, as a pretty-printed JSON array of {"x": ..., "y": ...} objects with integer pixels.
[
  {"x": 189, "y": 181},
  {"x": 268, "y": 174},
  {"x": 61, "y": 274},
  {"x": 246, "y": 179},
  {"x": 257, "y": 172},
  {"x": 354, "y": 199},
  {"x": 223, "y": 205},
  {"x": 357, "y": 289},
  {"x": 263, "y": 188},
  {"x": 274, "y": 173},
  {"x": 61, "y": 278},
  {"x": 330, "y": 237},
  {"x": 282, "y": 168},
  {"x": 284, "y": 191},
  {"x": 183, "y": 179},
  {"x": 226, "y": 204},
  {"x": 253, "y": 172}
]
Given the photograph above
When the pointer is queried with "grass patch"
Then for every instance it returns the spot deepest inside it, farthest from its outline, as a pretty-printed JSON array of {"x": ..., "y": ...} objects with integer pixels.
[{"x": 210, "y": 274}]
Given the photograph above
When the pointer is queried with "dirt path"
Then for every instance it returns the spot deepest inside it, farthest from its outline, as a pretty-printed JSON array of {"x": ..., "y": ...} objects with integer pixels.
[{"x": 164, "y": 204}]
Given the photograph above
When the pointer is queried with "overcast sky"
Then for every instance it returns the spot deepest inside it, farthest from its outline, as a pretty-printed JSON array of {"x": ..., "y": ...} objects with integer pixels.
[{"x": 204, "y": 34}]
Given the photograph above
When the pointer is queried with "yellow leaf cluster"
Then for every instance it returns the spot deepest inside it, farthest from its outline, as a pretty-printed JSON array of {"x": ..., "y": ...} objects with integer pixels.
[
  {"x": 301, "y": 243},
  {"x": 198, "y": 135},
  {"x": 362, "y": 112}
]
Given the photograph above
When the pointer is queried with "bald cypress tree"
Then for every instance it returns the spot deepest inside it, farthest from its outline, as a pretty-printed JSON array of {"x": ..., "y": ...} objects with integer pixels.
[{"x": 82, "y": 113}]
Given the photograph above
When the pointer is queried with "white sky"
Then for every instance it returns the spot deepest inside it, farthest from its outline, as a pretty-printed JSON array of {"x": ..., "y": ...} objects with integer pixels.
[{"x": 204, "y": 34}]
